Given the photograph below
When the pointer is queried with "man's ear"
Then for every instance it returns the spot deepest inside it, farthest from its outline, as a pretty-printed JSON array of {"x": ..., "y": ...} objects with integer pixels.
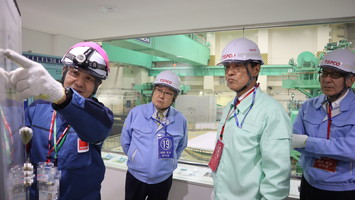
[
  {"x": 256, "y": 70},
  {"x": 63, "y": 70},
  {"x": 350, "y": 81}
]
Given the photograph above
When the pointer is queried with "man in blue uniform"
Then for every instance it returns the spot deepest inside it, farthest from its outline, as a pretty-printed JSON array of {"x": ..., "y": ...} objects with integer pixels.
[
  {"x": 68, "y": 123},
  {"x": 324, "y": 132},
  {"x": 153, "y": 137},
  {"x": 252, "y": 155}
]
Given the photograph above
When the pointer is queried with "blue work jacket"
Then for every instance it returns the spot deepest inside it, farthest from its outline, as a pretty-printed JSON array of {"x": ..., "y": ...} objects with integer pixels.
[
  {"x": 139, "y": 141},
  {"x": 81, "y": 172},
  {"x": 312, "y": 121}
]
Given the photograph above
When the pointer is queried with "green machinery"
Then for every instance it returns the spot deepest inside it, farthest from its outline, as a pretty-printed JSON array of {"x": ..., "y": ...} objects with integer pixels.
[{"x": 304, "y": 75}]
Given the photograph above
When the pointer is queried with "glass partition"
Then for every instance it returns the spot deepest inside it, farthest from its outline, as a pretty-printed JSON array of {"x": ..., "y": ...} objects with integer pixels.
[
  {"x": 291, "y": 55},
  {"x": 12, "y": 154}
]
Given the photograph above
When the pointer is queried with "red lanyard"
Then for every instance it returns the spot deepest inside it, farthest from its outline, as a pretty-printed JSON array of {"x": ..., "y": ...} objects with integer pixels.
[
  {"x": 5, "y": 144},
  {"x": 60, "y": 141},
  {"x": 7, "y": 125},
  {"x": 236, "y": 102},
  {"x": 329, "y": 119}
]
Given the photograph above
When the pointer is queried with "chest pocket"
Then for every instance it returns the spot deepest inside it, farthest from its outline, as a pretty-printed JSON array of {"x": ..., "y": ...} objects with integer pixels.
[
  {"x": 177, "y": 136},
  {"x": 141, "y": 131},
  {"x": 313, "y": 121},
  {"x": 69, "y": 158},
  {"x": 342, "y": 125},
  {"x": 248, "y": 134},
  {"x": 251, "y": 128}
]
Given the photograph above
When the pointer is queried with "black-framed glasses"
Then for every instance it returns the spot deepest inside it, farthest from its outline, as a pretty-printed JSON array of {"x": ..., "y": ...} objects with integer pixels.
[
  {"x": 333, "y": 74},
  {"x": 161, "y": 91}
]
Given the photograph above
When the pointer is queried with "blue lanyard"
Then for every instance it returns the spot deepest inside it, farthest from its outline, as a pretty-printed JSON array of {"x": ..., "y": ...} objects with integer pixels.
[
  {"x": 163, "y": 124},
  {"x": 236, "y": 102}
]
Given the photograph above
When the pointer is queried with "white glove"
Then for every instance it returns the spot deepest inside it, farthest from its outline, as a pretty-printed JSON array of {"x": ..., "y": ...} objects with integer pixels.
[
  {"x": 26, "y": 134},
  {"x": 33, "y": 80},
  {"x": 298, "y": 141}
]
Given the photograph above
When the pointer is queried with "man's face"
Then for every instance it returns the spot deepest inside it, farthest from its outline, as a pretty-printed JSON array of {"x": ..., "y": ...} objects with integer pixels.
[
  {"x": 162, "y": 97},
  {"x": 331, "y": 81},
  {"x": 236, "y": 75},
  {"x": 80, "y": 80}
]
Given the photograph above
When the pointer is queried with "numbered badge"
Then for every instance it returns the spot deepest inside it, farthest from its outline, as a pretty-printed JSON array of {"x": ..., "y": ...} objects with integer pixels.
[{"x": 166, "y": 147}]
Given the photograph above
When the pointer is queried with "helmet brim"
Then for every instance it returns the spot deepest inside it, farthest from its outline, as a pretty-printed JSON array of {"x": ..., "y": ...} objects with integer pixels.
[
  {"x": 238, "y": 61},
  {"x": 167, "y": 85},
  {"x": 334, "y": 68}
]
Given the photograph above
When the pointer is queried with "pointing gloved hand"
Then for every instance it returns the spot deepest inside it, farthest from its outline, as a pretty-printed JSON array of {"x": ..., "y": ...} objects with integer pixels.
[
  {"x": 26, "y": 134},
  {"x": 298, "y": 141},
  {"x": 33, "y": 80}
]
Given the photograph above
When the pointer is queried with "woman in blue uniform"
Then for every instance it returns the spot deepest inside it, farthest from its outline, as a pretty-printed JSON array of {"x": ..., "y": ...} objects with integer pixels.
[{"x": 153, "y": 137}]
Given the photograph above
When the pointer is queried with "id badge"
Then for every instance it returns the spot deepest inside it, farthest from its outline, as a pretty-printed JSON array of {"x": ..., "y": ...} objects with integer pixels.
[
  {"x": 82, "y": 146},
  {"x": 216, "y": 156},
  {"x": 166, "y": 147},
  {"x": 48, "y": 181},
  {"x": 327, "y": 164}
]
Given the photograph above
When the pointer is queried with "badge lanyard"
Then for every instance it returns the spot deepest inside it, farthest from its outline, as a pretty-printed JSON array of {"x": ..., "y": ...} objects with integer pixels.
[
  {"x": 218, "y": 150},
  {"x": 165, "y": 143},
  {"x": 329, "y": 119},
  {"x": 235, "y": 104},
  {"x": 164, "y": 125},
  {"x": 56, "y": 144},
  {"x": 237, "y": 101},
  {"x": 325, "y": 163}
]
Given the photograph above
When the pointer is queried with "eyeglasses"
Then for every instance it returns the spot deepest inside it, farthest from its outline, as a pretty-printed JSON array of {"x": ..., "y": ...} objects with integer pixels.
[
  {"x": 161, "y": 91},
  {"x": 333, "y": 74}
]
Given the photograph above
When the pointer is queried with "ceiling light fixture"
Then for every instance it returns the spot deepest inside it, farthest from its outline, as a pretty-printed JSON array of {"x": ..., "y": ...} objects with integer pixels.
[{"x": 108, "y": 9}]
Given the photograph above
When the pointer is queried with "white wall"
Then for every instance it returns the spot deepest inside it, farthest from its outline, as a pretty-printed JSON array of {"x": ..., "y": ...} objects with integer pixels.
[
  {"x": 43, "y": 43},
  {"x": 197, "y": 108}
]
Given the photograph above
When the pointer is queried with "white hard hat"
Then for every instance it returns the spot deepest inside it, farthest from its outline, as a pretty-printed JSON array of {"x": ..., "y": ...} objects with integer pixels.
[
  {"x": 341, "y": 59},
  {"x": 89, "y": 56},
  {"x": 169, "y": 79},
  {"x": 240, "y": 50}
]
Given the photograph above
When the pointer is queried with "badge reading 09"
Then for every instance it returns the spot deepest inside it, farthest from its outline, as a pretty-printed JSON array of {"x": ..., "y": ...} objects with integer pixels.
[{"x": 216, "y": 156}]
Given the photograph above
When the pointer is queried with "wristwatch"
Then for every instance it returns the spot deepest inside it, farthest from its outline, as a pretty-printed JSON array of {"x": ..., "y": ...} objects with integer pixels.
[{"x": 69, "y": 95}]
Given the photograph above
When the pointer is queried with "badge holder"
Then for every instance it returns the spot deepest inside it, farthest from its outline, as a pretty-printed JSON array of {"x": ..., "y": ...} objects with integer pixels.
[
  {"x": 20, "y": 178},
  {"x": 216, "y": 156},
  {"x": 166, "y": 147},
  {"x": 48, "y": 177}
]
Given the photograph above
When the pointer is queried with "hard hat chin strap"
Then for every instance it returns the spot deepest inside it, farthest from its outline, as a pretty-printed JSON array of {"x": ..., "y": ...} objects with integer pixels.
[{"x": 250, "y": 79}]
